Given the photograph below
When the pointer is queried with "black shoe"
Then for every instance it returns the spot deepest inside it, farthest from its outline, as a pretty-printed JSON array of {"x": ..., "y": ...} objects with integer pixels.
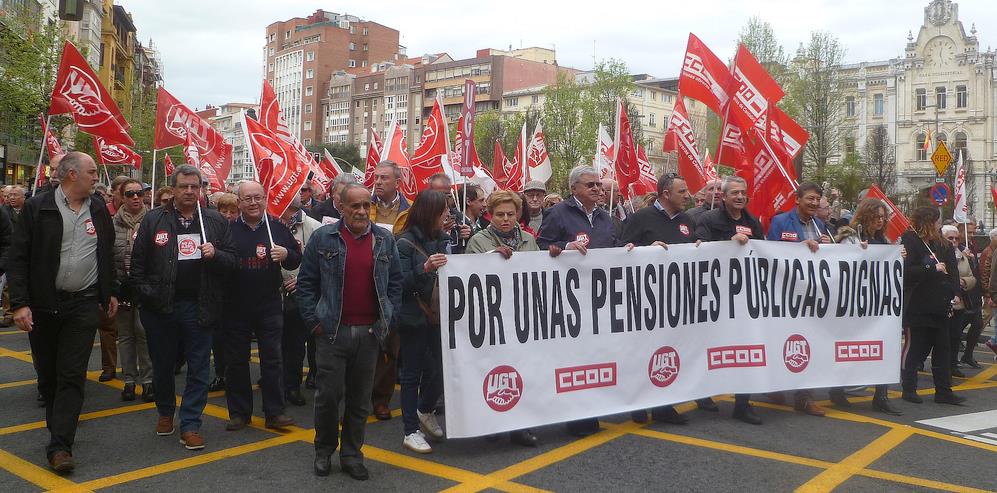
[
  {"x": 668, "y": 414},
  {"x": 322, "y": 465},
  {"x": 294, "y": 397},
  {"x": 525, "y": 438},
  {"x": 235, "y": 423},
  {"x": 582, "y": 427},
  {"x": 639, "y": 417},
  {"x": 949, "y": 398},
  {"x": 106, "y": 376},
  {"x": 310, "y": 381},
  {"x": 148, "y": 393},
  {"x": 707, "y": 404},
  {"x": 838, "y": 398},
  {"x": 747, "y": 414},
  {"x": 128, "y": 393},
  {"x": 911, "y": 396},
  {"x": 971, "y": 363},
  {"x": 882, "y": 404},
  {"x": 356, "y": 471},
  {"x": 217, "y": 384},
  {"x": 956, "y": 372}
]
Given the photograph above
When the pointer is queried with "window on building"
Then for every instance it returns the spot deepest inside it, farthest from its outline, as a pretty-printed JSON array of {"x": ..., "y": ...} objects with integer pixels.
[
  {"x": 940, "y": 97},
  {"x": 877, "y": 104},
  {"x": 961, "y": 97},
  {"x": 358, "y": 104},
  {"x": 961, "y": 142},
  {"x": 365, "y": 47},
  {"x": 310, "y": 56},
  {"x": 353, "y": 63},
  {"x": 287, "y": 34},
  {"x": 535, "y": 99},
  {"x": 373, "y": 104},
  {"x": 310, "y": 74},
  {"x": 271, "y": 52},
  {"x": 850, "y": 106},
  {"x": 921, "y": 154},
  {"x": 650, "y": 120},
  {"x": 271, "y": 67},
  {"x": 363, "y": 63},
  {"x": 308, "y": 142},
  {"x": 308, "y": 108},
  {"x": 366, "y": 87},
  {"x": 365, "y": 31},
  {"x": 654, "y": 96},
  {"x": 309, "y": 91},
  {"x": 375, "y": 86},
  {"x": 308, "y": 124},
  {"x": 511, "y": 102},
  {"x": 920, "y": 99},
  {"x": 353, "y": 46}
]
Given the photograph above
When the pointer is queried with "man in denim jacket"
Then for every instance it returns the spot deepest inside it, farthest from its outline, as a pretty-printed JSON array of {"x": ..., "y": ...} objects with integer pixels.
[{"x": 348, "y": 289}]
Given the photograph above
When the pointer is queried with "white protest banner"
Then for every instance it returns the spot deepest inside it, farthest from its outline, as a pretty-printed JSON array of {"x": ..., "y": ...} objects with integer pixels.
[{"x": 613, "y": 331}]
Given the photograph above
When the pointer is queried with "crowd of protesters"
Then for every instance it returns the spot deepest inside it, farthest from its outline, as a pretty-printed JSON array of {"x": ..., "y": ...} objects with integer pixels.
[{"x": 345, "y": 281}]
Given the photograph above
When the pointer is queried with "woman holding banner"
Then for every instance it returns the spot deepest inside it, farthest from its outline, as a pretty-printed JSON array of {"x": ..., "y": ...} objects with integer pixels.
[
  {"x": 422, "y": 248},
  {"x": 931, "y": 286},
  {"x": 504, "y": 236},
  {"x": 867, "y": 227}
]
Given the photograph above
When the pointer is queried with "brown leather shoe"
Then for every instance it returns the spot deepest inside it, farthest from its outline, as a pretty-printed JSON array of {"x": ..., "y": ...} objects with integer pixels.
[
  {"x": 776, "y": 398},
  {"x": 192, "y": 440},
  {"x": 164, "y": 426},
  {"x": 810, "y": 407},
  {"x": 61, "y": 462},
  {"x": 382, "y": 412},
  {"x": 279, "y": 421}
]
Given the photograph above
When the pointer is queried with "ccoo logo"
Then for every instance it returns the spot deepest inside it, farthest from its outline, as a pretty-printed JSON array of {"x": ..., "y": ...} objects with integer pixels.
[
  {"x": 796, "y": 353},
  {"x": 502, "y": 388},
  {"x": 663, "y": 368}
]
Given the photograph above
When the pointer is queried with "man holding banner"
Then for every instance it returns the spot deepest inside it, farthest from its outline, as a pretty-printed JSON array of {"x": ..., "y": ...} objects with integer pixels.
[{"x": 180, "y": 258}]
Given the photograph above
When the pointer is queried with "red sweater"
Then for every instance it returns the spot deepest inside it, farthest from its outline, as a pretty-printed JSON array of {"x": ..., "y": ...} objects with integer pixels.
[{"x": 359, "y": 293}]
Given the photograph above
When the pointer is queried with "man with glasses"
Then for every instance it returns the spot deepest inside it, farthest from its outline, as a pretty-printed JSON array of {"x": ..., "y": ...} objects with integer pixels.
[
  {"x": 181, "y": 259},
  {"x": 263, "y": 245}
]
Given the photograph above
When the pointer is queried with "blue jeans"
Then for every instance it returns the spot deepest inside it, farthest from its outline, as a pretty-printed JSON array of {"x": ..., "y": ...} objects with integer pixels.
[
  {"x": 421, "y": 376},
  {"x": 165, "y": 333}
]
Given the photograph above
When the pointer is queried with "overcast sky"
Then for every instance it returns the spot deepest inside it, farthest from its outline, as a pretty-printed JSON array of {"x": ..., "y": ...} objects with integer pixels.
[{"x": 212, "y": 49}]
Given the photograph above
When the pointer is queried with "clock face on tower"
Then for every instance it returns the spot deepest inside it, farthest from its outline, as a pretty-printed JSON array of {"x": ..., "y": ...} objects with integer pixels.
[{"x": 939, "y": 52}]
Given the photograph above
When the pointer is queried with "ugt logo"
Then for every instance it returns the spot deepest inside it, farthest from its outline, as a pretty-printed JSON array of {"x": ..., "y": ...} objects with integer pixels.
[
  {"x": 796, "y": 353},
  {"x": 502, "y": 388},
  {"x": 663, "y": 368}
]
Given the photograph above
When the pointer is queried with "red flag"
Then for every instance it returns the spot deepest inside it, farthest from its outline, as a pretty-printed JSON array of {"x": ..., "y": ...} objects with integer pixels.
[
  {"x": 680, "y": 138},
  {"x": 374, "y": 151},
  {"x": 396, "y": 149},
  {"x": 752, "y": 90},
  {"x": 769, "y": 184},
  {"x": 115, "y": 154},
  {"x": 51, "y": 143},
  {"x": 647, "y": 183},
  {"x": 538, "y": 160},
  {"x": 786, "y": 137},
  {"x": 282, "y": 170},
  {"x": 329, "y": 166},
  {"x": 704, "y": 77},
  {"x": 168, "y": 163},
  {"x": 898, "y": 223},
  {"x": 625, "y": 163},
  {"x": 433, "y": 149},
  {"x": 466, "y": 126},
  {"x": 272, "y": 118},
  {"x": 78, "y": 91},
  {"x": 174, "y": 120},
  {"x": 515, "y": 172},
  {"x": 709, "y": 169},
  {"x": 731, "y": 150},
  {"x": 501, "y": 167}
]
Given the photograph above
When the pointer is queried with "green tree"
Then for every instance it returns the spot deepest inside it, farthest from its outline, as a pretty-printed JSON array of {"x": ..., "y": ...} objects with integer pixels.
[
  {"x": 348, "y": 153},
  {"x": 816, "y": 91}
]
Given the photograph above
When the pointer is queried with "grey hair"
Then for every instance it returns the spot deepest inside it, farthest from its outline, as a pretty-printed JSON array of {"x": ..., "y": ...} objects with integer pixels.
[
  {"x": 343, "y": 178},
  {"x": 948, "y": 228},
  {"x": 186, "y": 170},
  {"x": 576, "y": 174},
  {"x": 394, "y": 168},
  {"x": 70, "y": 162},
  {"x": 993, "y": 233},
  {"x": 348, "y": 187},
  {"x": 733, "y": 179}
]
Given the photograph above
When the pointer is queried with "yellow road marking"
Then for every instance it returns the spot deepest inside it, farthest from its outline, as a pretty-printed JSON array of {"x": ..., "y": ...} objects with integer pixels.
[
  {"x": 837, "y": 474},
  {"x": 32, "y": 473},
  {"x": 12, "y": 332},
  {"x": 983, "y": 375},
  {"x": 20, "y": 383},
  {"x": 18, "y": 355},
  {"x": 83, "y": 417},
  {"x": 736, "y": 449},
  {"x": 927, "y": 483}
]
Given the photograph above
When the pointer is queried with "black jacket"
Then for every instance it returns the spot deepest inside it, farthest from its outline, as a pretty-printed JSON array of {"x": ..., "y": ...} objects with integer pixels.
[
  {"x": 6, "y": 235},
  {"x": 33, "y": 260},
  {"x": 322, "y": 209},
  {"x": 566, "y": 222},
  {"x": 717, "y": 225},
  {"x": 650, "y": 224},
  {"x": 415, "y": 280},
  {"x": 928, "y": 293},
  {"x": 154, "y": 264}
]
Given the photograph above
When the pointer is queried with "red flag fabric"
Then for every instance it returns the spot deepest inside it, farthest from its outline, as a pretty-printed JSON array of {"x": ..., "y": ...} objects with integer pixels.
[
  {"x": 709, "y": 169},
  {"x": 704, "y": 77},
  {"x": 537, "y": 159},
  {"x": 515, "y": 174},
  {"x": 786, "y": 137},
  {"x": 897, "y": 223},
  {"x": 396, "y": 149},
  {"x": 168, "y": 164},
  {"x": 433, "y": 149},
  {"x": 647, "y": 183},
  {"x": 282, "y": 170},
  {"x": 731, "y": 149},
  {"x": 501, "y": 167},
  {"x": 115, "y": 154},
  {"x": 769, "y": 185},
  {"x": 51, "y": 143},
  {"x": 329, "y": 166},
  {"x": 174, "y": 120},
  {"x": 680, "y": 138},
  {"x": 374, "y": 150},
  {"x": 272, "y": 118},
  {"x": 752, "y": 90},
  {"x": 603, "y": 158},
  {"x": 466, "y": 126},
  {"x": 78, "y": 91},
  {"x": 625, "y": 164}
]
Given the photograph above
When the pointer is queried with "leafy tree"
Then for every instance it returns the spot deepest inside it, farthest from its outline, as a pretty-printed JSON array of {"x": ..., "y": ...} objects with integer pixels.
[
  {"x": 880, "y": 160},
  {"x": 819, "y": 96}
]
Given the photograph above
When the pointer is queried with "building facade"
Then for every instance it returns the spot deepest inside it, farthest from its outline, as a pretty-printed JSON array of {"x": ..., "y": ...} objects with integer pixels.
[
  {"x": 86, "y": 33},
  {"x": 227, "y": 120},
  {"x": 301, "y": 54},
  {"x": 117, "y": 55}
]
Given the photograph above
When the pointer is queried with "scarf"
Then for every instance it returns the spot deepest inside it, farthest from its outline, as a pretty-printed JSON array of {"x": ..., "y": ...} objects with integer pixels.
[
  {"x": 512, "y": 239},
  {"x": 131, "y": 221}
]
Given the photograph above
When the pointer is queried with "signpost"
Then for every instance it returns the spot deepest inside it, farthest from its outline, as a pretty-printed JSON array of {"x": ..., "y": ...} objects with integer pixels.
[
  {"x": 940, "y": 194},
  {"x": 941, "y": 158}
]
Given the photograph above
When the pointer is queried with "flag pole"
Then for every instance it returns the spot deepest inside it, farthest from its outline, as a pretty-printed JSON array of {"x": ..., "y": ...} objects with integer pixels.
[
  {"x": 152, "y": 200},
  {"x": 41, "y": 152},
  {"x": 200, "y": 219},
  {"x": 107, "y": 175}
]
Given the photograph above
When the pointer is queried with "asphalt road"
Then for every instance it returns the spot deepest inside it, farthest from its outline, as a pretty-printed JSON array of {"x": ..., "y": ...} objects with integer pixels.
[{"x": 852, "y": 449}]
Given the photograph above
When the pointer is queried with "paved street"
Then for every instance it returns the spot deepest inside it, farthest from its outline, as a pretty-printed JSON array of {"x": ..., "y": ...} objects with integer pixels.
[{"x": 849, "y": 450}]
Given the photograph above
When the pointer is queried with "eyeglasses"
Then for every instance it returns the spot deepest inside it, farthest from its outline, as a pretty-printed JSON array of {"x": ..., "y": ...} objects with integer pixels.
[
  {"x": 134, "y": 193},
  {"x": 592, "y": 184},
  {"x": 253, "y": 199}
]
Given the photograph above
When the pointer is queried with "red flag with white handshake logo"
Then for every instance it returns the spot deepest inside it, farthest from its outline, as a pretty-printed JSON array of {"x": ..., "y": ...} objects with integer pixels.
[
  {"x": 434, "y": 148},
  {"x": 537, "y": 160},
  {"x": 78, "y": 91},
  {"x": 273, "y": 119},
  {"x": 680, "y": 138},
  {"x": 51, "y": 143},
  {"x": 168, "y": 164},
  {"x": 175, "y": 122},
  {"x": 282, "y": 171},
  {"x": 116, "y": 154}
]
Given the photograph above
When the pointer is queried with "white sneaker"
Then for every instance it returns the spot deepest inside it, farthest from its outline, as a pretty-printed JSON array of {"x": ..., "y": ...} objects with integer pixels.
[
  {"x": 416, "y": 442},
  {"x": 429, "y": 425}
]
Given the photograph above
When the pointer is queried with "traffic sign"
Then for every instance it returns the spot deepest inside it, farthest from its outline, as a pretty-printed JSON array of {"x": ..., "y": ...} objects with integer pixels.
[
  {"x": 940, "y": 194},
  {"x": 941, "y": 158}
]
